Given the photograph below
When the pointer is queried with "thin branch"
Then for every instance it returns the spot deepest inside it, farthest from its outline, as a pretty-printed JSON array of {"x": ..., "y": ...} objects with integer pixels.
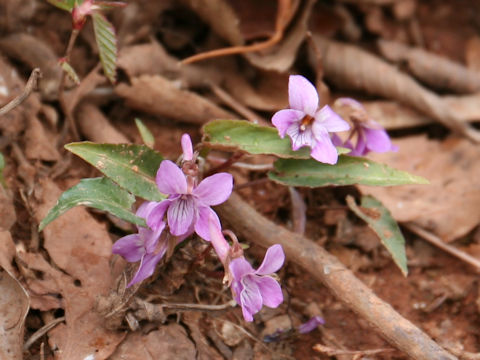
[
  {"x": 436, "y": 241},
  {"x": 42, "y": 331},
  {"x": 284, "y": 7},
  {"x": 326, "y": 268},
  {"x": 29, "y": 87}
]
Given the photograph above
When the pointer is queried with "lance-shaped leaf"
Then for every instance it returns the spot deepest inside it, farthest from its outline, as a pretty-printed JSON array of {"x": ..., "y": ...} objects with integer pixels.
[
  {"x": 133, "y": 167},
  {"x": 348, "y": 170},
  {"x": 66, "y": 5},
  {"x": 381, "y": 221},
  {"x": 107, "y": 44},
  {"x": 98, "y": 193},
  {"x": 145, "y": 133},
  {"x": 72, "y": 74}
]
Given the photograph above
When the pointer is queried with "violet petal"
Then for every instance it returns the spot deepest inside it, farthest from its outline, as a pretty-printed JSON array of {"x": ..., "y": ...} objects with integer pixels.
[
  {"x": 214, "y": 189},
  {"x": 283, "y": 119},
  {"x": 300, "y": 138},
  {"x": 170, "y": 179},
  {"x": 180, "y": 215},
  {"x": 250, "y": 298},
  {"x": 302, "y": 95},
  {"x": 330, "y": 120},
  {"x": 157, "y": 213},
  {"x": 324, "y": 151},
  {"x": 311, "y": 324},
  {"x": 240, "y": 267},
  {"x": 271, "y": 291},
  {"x": 202, "y": 227},
  {"x": 378, "y": 140},
  {"x": 130, "y": 247},
  {"x": 146, "y": 267},
  {"x": 187, "y": 147},
  {"x": 274, "y": 258}
]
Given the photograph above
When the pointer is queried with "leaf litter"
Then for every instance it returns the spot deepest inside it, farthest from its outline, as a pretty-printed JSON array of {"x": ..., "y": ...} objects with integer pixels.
[{"x": 69, "y": 271}]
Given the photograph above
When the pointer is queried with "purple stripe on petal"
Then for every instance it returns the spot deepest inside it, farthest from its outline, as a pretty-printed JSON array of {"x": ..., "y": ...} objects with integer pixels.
[
  {"x": 170, "y": 179},
  {"x": 274, "y": 259},
  {"x": 181, "y": 214},
  {"x": 300, "y": 138},
  {"x": 250, "y": 298},
  {"x": 271, "y": 291},
  {"x": 302, "y": 95},
  {"x": 239, "y": 267},
  {"x": 283, "y": 119},
  {"x": 214, "y": 189}
]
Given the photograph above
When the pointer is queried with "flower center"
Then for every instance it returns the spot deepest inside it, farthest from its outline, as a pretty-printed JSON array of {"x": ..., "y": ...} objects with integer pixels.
[{"x": 307, "y": 120}]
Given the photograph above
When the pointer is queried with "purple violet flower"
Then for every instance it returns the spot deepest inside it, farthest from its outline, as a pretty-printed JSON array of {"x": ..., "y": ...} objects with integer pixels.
[
  {"x": 143, "y": 246},
  {"x": 305, "y": 124},
  {"x": 254, "y": 288},
  {"x": 371, "y": 136},
  {"x": 188, "y": 205},
  {"x": 187, "y": 147},
  {"x": 310, "y": 325}
]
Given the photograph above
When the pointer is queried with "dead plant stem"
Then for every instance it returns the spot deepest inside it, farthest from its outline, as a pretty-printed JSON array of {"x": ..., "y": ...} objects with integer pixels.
[{"x": 29, "y": 87}]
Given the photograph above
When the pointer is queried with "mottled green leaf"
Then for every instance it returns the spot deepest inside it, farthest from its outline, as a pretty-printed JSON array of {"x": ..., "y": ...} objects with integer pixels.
[
  {"x": 147, "y": 136},
  {"x": 133, "y": 167},
  {"x": 98, "y": 193},
  {"x": 107, "y": 45},
  {"x": 2, "y": 166},
  {"x": 348, "y": 170},
  {"x": 381, "y": 221}
]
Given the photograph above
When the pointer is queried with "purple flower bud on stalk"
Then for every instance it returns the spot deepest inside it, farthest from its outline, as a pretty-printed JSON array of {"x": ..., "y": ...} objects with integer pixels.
[
  {"x": 145, "y": 246},
  {"x": 188, "y": 205},
  {"x": 310, "y": 325},
  {"x": 305, "y": 124},
  {"x": 370, "y": 135},
  {"x": 187, "y": 147}
]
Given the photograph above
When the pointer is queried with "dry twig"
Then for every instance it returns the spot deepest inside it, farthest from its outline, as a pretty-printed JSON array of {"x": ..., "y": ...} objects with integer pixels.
[
  {"x": 29, "y": 87},
  {"x": 324, "y": 267}
]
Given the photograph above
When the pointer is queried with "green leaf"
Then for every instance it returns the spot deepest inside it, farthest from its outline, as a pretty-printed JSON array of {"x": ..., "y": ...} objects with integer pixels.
[
  {"x": 252, "y": 138},
  {"x": 70, "y": 72},
  {"x": 133, "y": 167},
  {"x": 348, "y": 170},
  {"x": 147, "y": 136},
  {"x": 98, "y": 193},
  {"x": 107, "y": 45},
  {"x": 381, "y": 221},
  {"x": 66, "y": 5}
]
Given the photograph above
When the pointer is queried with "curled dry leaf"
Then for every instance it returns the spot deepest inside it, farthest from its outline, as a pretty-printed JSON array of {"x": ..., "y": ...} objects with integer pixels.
[
  {"x": 7, "y": 251},
  {"x": 158, "y": 96},
  {"x": 81, "y": 248},
  {"x": 434, "y": 70},
  {"x": 350, "y": 67},
  {"x": 35, "y": 53},
  {"x": 14, "y": 306},
  {"x": 449, "y": 205}
]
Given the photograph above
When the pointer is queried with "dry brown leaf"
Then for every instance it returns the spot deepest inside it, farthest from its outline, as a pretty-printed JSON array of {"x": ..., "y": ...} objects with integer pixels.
[
  {"x": 472, "y": 53},
  {"x": 14, "y": 305},
  {"x": 205, "y": 351},
  {"x": 35, "y": 53},
  {"x": 7, "y": 251},
  {"x": 96, "y": 127},
  {"x": 158, "y": 96},
  {"x": 81, "y": 248},
  {"x": 8, "y": 217},
  {"x": 167, "y": 343},
  {"x": 281, "y": 57},
  {"x": 434, "y": 70},
  {"x": 449, "y": 205},
  {"x": 39, "y": 144}
]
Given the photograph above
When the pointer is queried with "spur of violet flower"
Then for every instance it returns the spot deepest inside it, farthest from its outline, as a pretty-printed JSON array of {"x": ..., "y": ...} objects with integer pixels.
[
  {"x": 254, "y": 288},
  {"x": 188, "y": 204},
  {"x": 371, "y": 136},
  {"x": 146, "y": 246},
  {"x": 306, "y": 124}
]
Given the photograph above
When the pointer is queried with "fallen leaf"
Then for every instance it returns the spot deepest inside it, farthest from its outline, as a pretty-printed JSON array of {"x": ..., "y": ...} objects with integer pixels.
[
  {"x": 81, "y": 247},
  {"x": 168, "y": 342},
  {"x": 14, "y": 305},
  {"x": 449, "y": 205}
]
